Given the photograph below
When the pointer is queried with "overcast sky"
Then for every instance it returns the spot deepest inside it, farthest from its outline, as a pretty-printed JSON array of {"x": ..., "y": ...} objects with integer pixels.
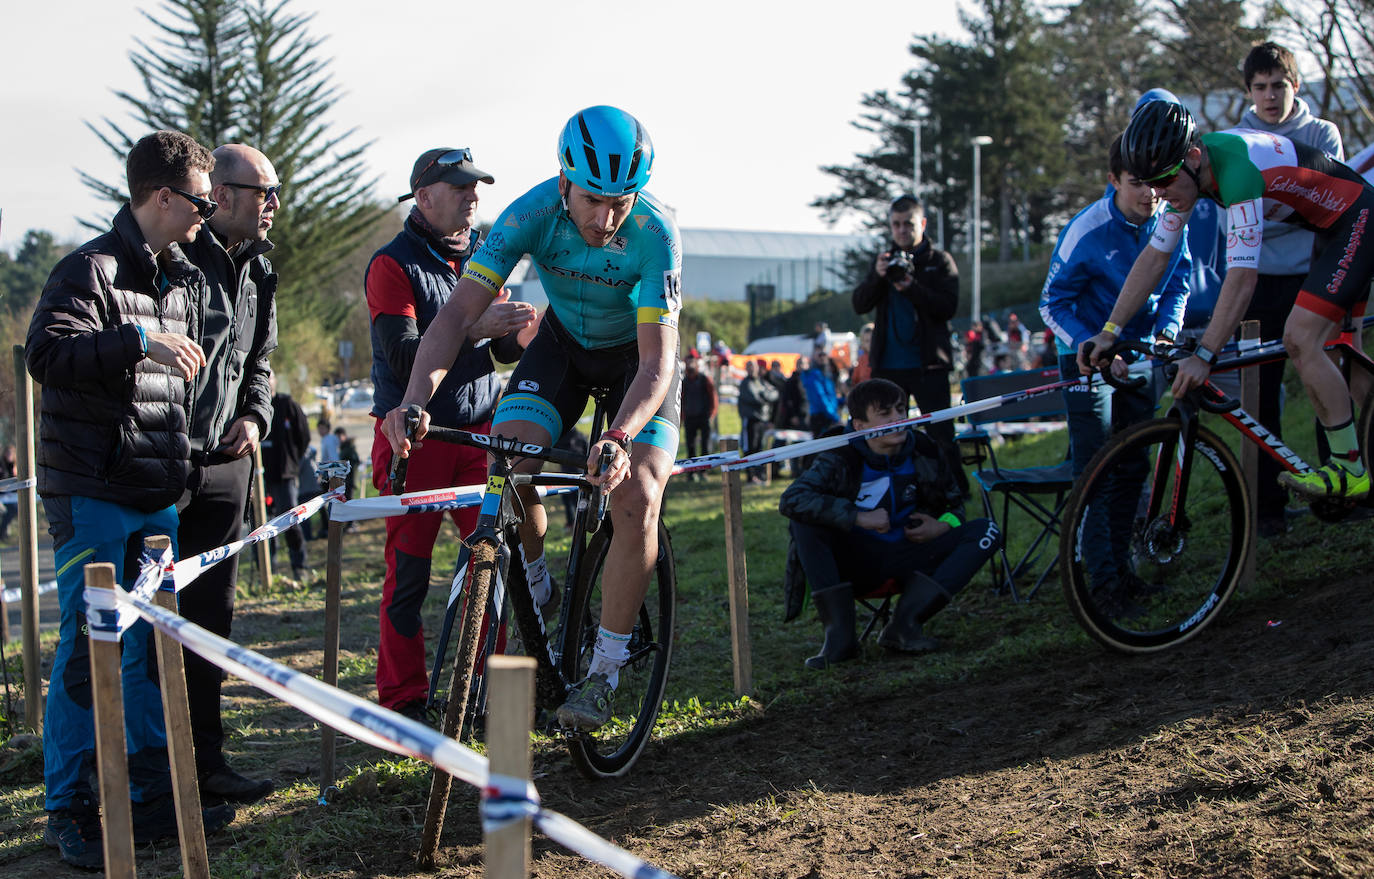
[{"x": 744, "y": 100}]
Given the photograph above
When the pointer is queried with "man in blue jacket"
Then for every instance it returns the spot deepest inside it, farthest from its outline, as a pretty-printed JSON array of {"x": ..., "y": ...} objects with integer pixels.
[{"x": 1090, "y": 263}]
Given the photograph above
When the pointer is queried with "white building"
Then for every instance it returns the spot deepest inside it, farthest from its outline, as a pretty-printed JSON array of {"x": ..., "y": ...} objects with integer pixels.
[{"x": 721, "y": 263}]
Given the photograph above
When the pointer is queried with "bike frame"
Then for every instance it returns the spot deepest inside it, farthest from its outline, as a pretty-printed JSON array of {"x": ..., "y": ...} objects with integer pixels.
[
  {"x": 497, "y": 513},
  {"x": 1186, "y": 411}
]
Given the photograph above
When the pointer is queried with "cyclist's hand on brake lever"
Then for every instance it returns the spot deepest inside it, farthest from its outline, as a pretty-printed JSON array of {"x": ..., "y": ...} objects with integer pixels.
[
  {"x": 394, "y": 428},
  {"x": 616, "y": 473},
  {"x": 1192, "y": 373},
  {"x": 1090, "y": 358}
]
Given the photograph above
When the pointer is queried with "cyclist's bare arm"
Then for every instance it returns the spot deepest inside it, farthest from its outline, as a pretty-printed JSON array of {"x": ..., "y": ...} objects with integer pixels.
[
  {"x": 1232, "y": 301},
  {"x": 1145, "y": 275},
  {"x": 657, "y": 361},
  {"x": 442, "y": 341}
]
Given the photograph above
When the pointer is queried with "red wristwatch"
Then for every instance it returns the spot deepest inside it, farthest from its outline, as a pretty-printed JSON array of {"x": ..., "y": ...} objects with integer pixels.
[{"x": 620, "y": 437}]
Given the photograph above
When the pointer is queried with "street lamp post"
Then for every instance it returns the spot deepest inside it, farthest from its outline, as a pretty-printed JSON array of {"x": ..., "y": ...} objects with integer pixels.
[{"x": 975, "y": 236}]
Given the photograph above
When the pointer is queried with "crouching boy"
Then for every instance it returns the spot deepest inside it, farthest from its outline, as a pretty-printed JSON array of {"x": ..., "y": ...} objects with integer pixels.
[{"x": 883, "y": 507}]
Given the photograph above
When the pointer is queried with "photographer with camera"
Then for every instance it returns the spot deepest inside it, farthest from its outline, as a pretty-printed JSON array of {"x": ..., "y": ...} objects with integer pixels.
[{"x": 914, "y": 289}]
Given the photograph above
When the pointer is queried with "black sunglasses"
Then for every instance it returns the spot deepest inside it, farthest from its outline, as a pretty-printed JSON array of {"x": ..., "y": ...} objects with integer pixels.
[
  {"x": 265, "y": 191},
  {"x": 204, "y": 206}
]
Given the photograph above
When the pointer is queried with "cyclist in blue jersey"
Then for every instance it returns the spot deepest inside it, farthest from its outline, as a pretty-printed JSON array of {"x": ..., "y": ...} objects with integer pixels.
[{"x": 609, "y": 258}]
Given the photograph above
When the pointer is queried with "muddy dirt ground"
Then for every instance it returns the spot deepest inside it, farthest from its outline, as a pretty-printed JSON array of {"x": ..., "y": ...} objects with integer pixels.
[{"x": 1247, "y": 752}]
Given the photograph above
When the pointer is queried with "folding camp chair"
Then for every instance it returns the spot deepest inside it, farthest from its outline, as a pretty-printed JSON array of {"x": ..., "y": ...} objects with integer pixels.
[{"x": 1029, "y": 488}]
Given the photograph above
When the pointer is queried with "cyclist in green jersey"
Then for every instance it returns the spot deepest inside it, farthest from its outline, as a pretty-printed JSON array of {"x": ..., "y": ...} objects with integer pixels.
[
  {"x": 1257, "y": 176},
  {"x": 609, "y": 258}
]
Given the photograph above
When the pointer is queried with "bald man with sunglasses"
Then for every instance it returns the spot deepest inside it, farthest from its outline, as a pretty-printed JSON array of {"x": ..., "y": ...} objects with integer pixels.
[{"x": 237, "y": 329}]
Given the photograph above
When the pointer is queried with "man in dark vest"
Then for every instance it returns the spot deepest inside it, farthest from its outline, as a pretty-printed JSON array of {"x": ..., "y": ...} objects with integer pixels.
[{"x": 407, "y": 282}]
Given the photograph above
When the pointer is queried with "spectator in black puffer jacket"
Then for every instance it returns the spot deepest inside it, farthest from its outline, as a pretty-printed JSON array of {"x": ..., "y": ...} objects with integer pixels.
[
  {"x": 111, "y": 344},
  {"x": 884, "y": 507}
]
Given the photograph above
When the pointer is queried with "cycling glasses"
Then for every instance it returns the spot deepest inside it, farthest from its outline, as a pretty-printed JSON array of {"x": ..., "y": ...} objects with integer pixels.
[
  {"x": 267, "y": 192},
  {"x": 1159, "y": 181},
  {"x": 452, "y": 157},
  {"x": 204, "y": 206}
]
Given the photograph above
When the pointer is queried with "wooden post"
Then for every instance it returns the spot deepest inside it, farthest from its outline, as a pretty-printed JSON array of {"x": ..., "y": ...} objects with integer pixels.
[
  {"x": 28, "y": 543},
  {"x": 1249, "y": 452},
  {"x": 330, "y": 673},
  {"x": 738, "y": 576},
  {"x": 259, "y": 516},
  {"x": 176, "y": 709},
  {"x": 112, "y": 757},
  {"x": 510, "y": 707}
]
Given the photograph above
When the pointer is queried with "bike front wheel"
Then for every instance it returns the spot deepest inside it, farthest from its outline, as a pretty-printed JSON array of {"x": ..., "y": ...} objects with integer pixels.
[
  {"x": 611, "y": 750},
  {"x": 1154, "y": 541}
]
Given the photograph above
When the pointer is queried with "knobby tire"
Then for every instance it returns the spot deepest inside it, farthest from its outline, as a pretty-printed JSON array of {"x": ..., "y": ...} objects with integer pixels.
[
  {"x": 1185, "y": 567},
  {"x": 481, "y": 569},
  {"x": 612, "y": 750}
]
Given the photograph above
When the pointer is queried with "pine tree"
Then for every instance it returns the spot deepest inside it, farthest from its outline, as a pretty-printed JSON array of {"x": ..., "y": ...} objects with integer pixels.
[{"x": 249, "y": 71}]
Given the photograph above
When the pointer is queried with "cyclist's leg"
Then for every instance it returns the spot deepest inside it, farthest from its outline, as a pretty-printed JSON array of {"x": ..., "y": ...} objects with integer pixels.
[
  {"x": 635, "y": 506},
  {"x": 1337, "y": 283},
  {"x": 1304, "y": 335},
  {"x": 542, "y": 399}
]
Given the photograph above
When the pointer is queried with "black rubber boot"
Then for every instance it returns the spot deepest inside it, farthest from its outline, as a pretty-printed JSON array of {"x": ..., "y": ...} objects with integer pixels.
[
  {"x": 919, "y": 601},
  {"x": 836, "y": 608}
]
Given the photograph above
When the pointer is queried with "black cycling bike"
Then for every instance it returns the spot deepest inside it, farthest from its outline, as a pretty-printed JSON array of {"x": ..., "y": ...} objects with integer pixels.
[
  {"x": 1159, "y": 524},
  {"x": 487, "y": 584}
]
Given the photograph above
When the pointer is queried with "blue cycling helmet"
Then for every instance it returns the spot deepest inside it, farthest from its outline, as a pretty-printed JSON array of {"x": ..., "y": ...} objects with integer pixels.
[{"x": 606, "y": 151}]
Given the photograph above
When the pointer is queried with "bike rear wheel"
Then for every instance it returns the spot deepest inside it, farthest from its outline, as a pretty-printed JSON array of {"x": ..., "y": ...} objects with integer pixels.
[
  {"x": 1141, "y": 571},
  {"x": 613, "y": 749}
]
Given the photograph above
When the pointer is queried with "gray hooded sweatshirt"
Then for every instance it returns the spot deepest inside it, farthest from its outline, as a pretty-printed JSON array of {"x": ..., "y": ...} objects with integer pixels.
[{"x": 1287, "y": 249}]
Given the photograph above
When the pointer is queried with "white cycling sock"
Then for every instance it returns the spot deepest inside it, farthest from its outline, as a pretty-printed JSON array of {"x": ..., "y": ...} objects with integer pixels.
[
  {"x": 537, "y": 576},
  {"x": 609, "y": 654}
]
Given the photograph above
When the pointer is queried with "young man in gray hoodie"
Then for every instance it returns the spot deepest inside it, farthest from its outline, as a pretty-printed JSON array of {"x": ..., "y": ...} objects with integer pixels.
[{"x": 1272, "y": 82}]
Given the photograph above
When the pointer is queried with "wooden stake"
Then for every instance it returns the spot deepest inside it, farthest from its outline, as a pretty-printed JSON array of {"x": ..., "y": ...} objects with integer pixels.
[
  {"x": 258, "y": 518},
  {"x": 112, "y": 757},
  {"x": 510, "y": 707},
  {"x": 28, "y": 544},
  {"x": 1249, "y": 452},
  {"x": 330, "y": 673},
  {"x": 738, "y": 576},
  {"x": 176, "y": 709}
]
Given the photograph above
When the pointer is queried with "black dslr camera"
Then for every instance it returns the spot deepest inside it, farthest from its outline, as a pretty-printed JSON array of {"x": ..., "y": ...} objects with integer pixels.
[{"x": 898, "y": 266}]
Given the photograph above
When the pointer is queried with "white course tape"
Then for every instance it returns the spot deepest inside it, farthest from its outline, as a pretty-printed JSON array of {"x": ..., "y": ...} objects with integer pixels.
[
  {"x": 384, "y": 729},
  {"x": 10, "y": 596},
  {"x": 568, "y": 833},
  {"x": 187, "y": 570},
  {"x": 17, "y": 483},
  {"x": 431, "y": 501}
]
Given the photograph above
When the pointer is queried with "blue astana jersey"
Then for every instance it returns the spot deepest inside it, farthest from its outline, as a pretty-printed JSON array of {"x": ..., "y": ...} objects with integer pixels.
[{"x": 600, "y": 294}]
